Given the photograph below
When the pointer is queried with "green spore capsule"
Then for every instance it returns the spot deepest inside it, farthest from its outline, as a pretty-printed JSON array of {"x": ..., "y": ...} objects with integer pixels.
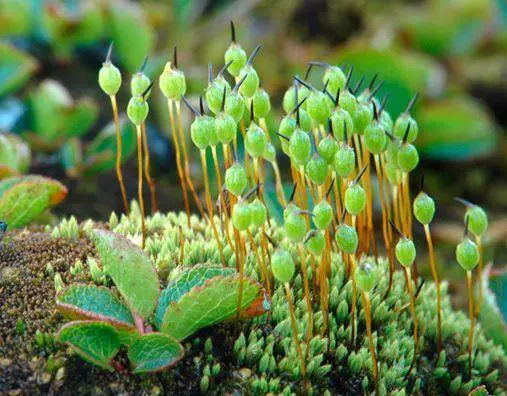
[
  {"x": 315, "y": 242},
  {"x": 235, "y": 106},
  {"x": 344, "y": 161},
  {"x": 258, "y": 214},
  {"x": 335, "y": 78},
  {"x": 236, "y": 179},
  {"x": 251, "y": 83},
  {"x": 235, "y": 55},
  {"x": 214, "y": 93},
  {"x": 322, "y": 214},
  {"x": 295, "y": 226},
  {"x": 137, "y": 110},
  {"x": 477, "y": 220},
  {"x": 467, "y": 254},
  {"x": 261, "y": 103},
  {"x": 316, "y": 169},
  {"x": 241, "y": 216},
  {"x": 393, "y": 173},
  {"x": 403, "y": 122},
  {"x": 319, "y": 107},
  {"x": 408, "y": 157},
  {"x": 386, "y": 121},
  {"x": 300, "y": 147},
  {"x": 139, "y": 84},
  {"x": 172, "y": 83},
  {"x": 289, "y": 98},
  {"x": 355, "y": 198},
  {"x": 346, "y": 238},
  {"x": 269, "y": 153},
  {"x": 340, "y": 120},
  {"x": 405, "y": 252},
  {"x": 305, "y": 121},
  {"x": 203, "y": 132},
  {"x": 424, "y": 208},
  {"x": 375, "y": 138},
  {"x": 328, "y": 148},
  {"x": 362, "y": 118},
  {"x": 282, "y": 265},
  {"x": 109, "y": 76},
  {"x": 393, "y": 146},
  {"x": 366, "y": 277},
  {"x": 255, "y": 140},
  {"x": 287, "y": 125},
  {"x": 226, "y": 127},
  {"x": 348, "y": 102}
]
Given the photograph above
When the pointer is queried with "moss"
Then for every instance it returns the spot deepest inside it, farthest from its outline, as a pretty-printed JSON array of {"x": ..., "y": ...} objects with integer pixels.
[{"x": 256, "y": 356}]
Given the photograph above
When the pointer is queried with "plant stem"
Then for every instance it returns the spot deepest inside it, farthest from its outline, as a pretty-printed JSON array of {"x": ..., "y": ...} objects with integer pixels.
[
  {"x": 151, "y": 182},
  {"x": 478, "y": 241},
  {"x": 182, "y": 244},
  {"x": 279, "y": 186},
  {"x": 472, "y": 319},
  {"x": 140, "y": 181},
  {"x": 119, "y": 147},
  {"x": 412, "y": 309},
  {"x": 367, "y": 311},
  {"x": 309, "y": 328}
]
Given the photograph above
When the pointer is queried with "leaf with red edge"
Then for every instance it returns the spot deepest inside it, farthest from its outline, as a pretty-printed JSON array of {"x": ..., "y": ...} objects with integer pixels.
[{"x": 154, "y": 352}]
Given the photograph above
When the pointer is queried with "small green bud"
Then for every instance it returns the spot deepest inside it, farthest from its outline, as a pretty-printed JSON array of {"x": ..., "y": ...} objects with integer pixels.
[
  {"x": 59, "y": 285},
  {"x": 203, "y": 131},
  {"x": 215, "y": 370},
  {"x": 365, "y": 277},
  {"x": 261, "y": 103},
  {"x": 214, "y": 93},
  {"x": 300, "y": 147},
  {"x": 282, "y": 265},
  {"x": 204, "y": 384},
  {"x": 319, "y": 107},
  {"x": 345, "y": 161},
  {"x": 340, "y": 120},
  {"x": 258, "y": 214},
  {"x": 317, "y": 169},
  {"x": 287, "y": 126},
  {"x": 251, "y": 83},
  {"x": 477, "y": 220},
  {"x": 20, "y": 326},
  {"x": 424, "y": 208},
  {"x": 467, "y": 254},
  {"x": 375, "y": 138},
  {"x": 355, "y": 198},
  {"x": 335, "y": 79},
  {"x": 348, "y": 102},
  {"x": 137, "y": 110},
  {"x": 315, "y": 242},
  {"x": 236, "y": 179},
  {"x": 109, "y": 78},
  {"x": 269, "y": 153},
  {"x": 255, "y": 140},
  {"x": 139, "y": 84},
  {"x": 235, "y": 106},
  {"x": 408, "y": 158},
  {"x": 328, "y": 148},
  {"x": 39, "y": 339},
  {"x": 208, "y": 346},
  {"x": 322, "y": 214},
  {"x": 172, "y": 83},
  {"x": 393, "y": 146},
  {"x": 305, "y": 121},
  {"x": 289, "y": 98},
  {"x": 347, "y": 239},
  {"x": 405, "y": 252},
  {"x": 241, "y": 216},
  {"x": 386, "y": 121},
  {"x": 226, "y": 127},
  {"x": 401, "y": 125},
  {"x": 362, "y": 118},
  {"x": 237, "y": 55},
  {"x": 295, "y": 227}
]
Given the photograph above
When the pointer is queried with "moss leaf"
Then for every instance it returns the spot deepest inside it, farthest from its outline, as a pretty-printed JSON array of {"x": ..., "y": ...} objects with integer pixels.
[
  {"x": 213, "y": 302},
  {"x": 189, "y": 278},
  {"x": 154, "y": 352},
  {"x": 131, "y": 271},
  {"x": 93, "y": 302},
  {"x": 96, "y": 342},
  {"x": 24, "y": 198}
]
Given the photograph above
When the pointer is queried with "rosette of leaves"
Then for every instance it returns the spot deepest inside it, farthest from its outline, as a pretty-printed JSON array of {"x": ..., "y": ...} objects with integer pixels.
[{"x": 104, "y": 321}]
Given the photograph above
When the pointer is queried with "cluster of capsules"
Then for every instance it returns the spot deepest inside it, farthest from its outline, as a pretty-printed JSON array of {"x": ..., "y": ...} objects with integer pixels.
[{"x": 336, "y": 138}]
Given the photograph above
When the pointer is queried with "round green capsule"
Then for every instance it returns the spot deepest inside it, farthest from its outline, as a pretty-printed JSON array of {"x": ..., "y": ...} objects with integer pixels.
[
  {"x": 322, "y": 214},
  {"x": 328, "y": 148},
  {"x": 300, "y": 147},
  {"x": 346, "y": 238},
  {"x": 393, "y": 173},
  {"x": 366, "y": 277},
  {"x": 424, "y": 208},
  {"x": 282, "y": 265},
  {"x": 335, "y": 78},
  {"x": 226, "y": 127},
  {"x": 139, "y": 84},
  {"x": 258, "y": 214},
  {"x": 295, "y": 226},
  {"x": 287, "y": 126},
  {"x": 109, "y": 78},
  {"x": 401, "y": 125},
  {"x": 237, "y": 55},
  {"x": 348, "y": 102},
  {"x": 319, "y": 107},
  {"x": 214, "y": 93},
  {"x": 172, "y": 83},
  {"x": 362, "y": 118},
  {"x": 269, "y": 153},
  {"x": 137, "y": 110},
  {"x": 235, "y": 106},
  {"x": 261, "y": 104},
  {"x": 340, "y": 120},
  {"x": 316, "y": 169},
  {"x": 251, "y": 83},
  {"x": 255, "y": 140},
  {"x": 408, "y": 157},
  {"x": 291, "y": 208},
  {"x": 355, "y": 199},
  {"x": 386, "y": 121},
  {"x": 236, "y": 179},
  {"x": 393, "y": 146},
  {"x": 405, "y": 252},
  {"x": 241, "y": 216},
  {"x": 203, "y": 132},
  {"x": 477, "y": 220},
  {"x": 344, "y": 161},
  {"x": 289, "y": 98},
  {"x": 315, "y": 242},
  {"x": 467, "y": 254},
  {"x": 375, "y": 138}
]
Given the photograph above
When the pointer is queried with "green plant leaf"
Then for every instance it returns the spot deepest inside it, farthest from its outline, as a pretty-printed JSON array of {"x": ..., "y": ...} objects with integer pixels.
[
  {"x": 94, "y": 302},
  {"x": 81, "y": 117},
  {"x": 213, "y": 302},
  {"x": 456, "y": 129},
  {"x": 24, "y": 198},
  {"x": 96, "y": 342},
  {"x": 189, "y": 278},
  {"x": 71, "y": 155},
  {"x": 16, "y": 67},
  {"x": 130, "y": 269},
  {"x": 154, "y": 352},
  {"x": 100, "y": 155},
  {"x": 14, "y": 155}
]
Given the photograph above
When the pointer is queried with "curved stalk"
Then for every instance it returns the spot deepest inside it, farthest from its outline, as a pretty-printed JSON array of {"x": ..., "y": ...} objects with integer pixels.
[
  {"x": 472, "y": 320},
  {"x": 151, "y": 182},
  {"x": 140, "y": 181}
]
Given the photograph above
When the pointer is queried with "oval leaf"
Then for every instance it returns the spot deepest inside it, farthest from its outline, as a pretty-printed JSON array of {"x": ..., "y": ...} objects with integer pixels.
[
  {"x": 93, "y": 302},
  {"x": 189, "y": 278},
  {"x": 154, "y": 352},
  {"x": 24, "y": 198},
  {"x": 130, "y": 269},
  {"x": 95, "y": 342},
  {"x": 212, "y": 303},
  {"x": 16, "y": 67}
]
